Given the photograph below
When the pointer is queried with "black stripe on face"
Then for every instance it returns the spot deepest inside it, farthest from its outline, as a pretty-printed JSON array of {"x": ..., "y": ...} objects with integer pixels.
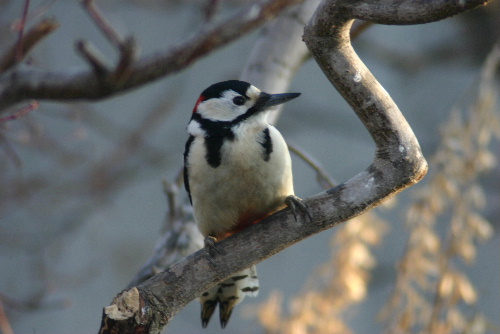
[
  {"x": 267, "y": 145},
  {"x": 260, "y": 105},
  {"x": 215, "y": 134}
]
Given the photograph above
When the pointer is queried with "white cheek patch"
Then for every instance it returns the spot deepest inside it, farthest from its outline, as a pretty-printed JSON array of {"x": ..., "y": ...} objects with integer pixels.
[
  {"x": 221, "y": 109},
  {"x": 224, "y": 109},
  {"x": 211, "y": 109}
]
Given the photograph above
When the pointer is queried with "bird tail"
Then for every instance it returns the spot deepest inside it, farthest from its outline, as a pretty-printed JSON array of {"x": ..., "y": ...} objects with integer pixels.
[{"x": 228, "y": 294}]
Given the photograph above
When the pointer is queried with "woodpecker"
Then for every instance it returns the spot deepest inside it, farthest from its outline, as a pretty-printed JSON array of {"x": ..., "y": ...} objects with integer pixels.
[{"x": 237, "y": 170}]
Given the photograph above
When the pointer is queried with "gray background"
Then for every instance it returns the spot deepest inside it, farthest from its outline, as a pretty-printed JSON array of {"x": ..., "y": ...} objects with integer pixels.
[{"x": 85, "y": 262}]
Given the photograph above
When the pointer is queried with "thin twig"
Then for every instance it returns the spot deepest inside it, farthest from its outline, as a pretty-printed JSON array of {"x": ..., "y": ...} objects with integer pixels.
[
  {"x": 92, "y": 55},
  {"x": 5, "y": 326},
  {"x": 128, "y": 52},
  {"x": 170, "y": 190},
  {"x": 21, "y": 112},
  {"x": 322, "y": 176},
  {"x": 21, "y": 48},
  {"x": 211, "y": 8},
  {"x": 101, "y": 22},
  {"x": 359, "y": 27},
  {"x": 126, "y": 46},
  {"x": 63, "y": 85},
  {"x": 10, "y": 152}
]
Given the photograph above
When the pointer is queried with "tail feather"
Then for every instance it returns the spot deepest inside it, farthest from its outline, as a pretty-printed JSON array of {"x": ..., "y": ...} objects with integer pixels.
[
  {"x": 228, "y": 294},
  {"x": 209, "y": 301},
  {"x": 251, "y": 286},
  {"x": 225, "y": 310}
]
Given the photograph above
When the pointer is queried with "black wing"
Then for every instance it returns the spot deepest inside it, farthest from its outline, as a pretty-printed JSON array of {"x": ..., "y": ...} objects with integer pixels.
[
  {"x": 186, "y": 172},
  {"x": 267, "y": 145}
]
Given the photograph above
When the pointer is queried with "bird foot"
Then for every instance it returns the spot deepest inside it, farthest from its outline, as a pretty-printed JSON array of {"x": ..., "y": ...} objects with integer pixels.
[
  {"x": 295, "y": 203},
  {"x": 212, "y": 249}
]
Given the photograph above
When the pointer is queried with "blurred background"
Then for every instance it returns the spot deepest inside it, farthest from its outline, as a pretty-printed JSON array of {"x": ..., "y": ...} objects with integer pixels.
[{"x": 82, "y": 204}]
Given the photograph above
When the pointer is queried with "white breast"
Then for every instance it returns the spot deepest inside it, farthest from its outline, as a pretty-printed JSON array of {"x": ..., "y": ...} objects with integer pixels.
[{"x": 244, "y": 187}]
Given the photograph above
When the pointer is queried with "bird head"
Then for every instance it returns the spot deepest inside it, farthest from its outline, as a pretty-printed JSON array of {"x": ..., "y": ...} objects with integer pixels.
[{"x": 235, "y": 101}]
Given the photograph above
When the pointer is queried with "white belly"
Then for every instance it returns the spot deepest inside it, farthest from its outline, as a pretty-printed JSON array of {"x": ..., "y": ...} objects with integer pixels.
[{"x": 243, "y": 188}]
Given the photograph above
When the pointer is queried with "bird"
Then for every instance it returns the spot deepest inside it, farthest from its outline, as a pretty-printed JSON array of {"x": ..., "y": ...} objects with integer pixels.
[{"x": 237, "y": 171}]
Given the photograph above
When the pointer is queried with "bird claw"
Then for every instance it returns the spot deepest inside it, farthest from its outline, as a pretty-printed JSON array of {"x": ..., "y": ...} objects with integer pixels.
[
  {"x": 212, "y": 249},
  {"x": 295, "y": 203}
]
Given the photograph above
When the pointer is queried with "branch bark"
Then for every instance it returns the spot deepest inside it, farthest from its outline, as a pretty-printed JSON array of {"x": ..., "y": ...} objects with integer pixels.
[
  {"x": 398, "y": 164},
  {"x": 19, "y": 85}
]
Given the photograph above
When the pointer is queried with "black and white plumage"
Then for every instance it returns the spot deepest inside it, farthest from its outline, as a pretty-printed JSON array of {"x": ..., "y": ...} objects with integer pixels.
[{"x": 237, "y": 170}]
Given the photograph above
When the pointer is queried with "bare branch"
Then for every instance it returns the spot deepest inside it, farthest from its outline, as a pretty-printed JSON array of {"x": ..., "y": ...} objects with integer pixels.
[
  {"x": 211, "y": 8},
  {"x": 93, "y": 57},
  {"x": 126, "y": 46},
  {"x": 101, "y": 22},
  {"x": 27, "y": 41},
  {"x": 128, "y": 51},
  {"x": 324, "y": 180},
  {"x": 21, "y": 112},
  {"x": 398, "y": 164},
  {"x": 358, "y": 28},
  {"x": 19, "y": 47},
  {"x": 18, "y": 85},
  {"x": 279, "y": 53},
  {"x": 179, "y": 239},
  {"x": 4, "y": 321}
]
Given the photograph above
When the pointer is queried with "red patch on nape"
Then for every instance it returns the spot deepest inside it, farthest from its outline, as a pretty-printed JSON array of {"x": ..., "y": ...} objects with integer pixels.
[{"x": 200, "y": 99}]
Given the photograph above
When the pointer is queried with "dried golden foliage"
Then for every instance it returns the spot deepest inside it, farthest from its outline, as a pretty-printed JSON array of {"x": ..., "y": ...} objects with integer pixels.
[
  {"x": 334, "y": 287},
  {"x": 432, "y": 294}
]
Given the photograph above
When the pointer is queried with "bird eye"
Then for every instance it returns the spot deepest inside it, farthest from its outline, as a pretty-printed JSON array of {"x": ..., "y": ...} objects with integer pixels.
[{"x": 239, "y": 100}]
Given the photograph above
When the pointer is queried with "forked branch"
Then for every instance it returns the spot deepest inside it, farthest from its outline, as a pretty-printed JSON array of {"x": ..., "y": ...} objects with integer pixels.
[
  {"x": 398, "y": 164},
  {"x": 18, "y": 85}
]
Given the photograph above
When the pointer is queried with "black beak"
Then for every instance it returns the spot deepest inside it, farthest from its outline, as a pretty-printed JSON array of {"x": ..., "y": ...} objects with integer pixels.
[{"x": 268, "y": 100}]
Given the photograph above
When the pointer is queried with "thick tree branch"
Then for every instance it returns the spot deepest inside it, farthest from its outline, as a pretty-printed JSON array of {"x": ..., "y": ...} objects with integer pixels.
[
  {"x": 20, "y": 84},
  {"x": 398, "y": 164}
]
